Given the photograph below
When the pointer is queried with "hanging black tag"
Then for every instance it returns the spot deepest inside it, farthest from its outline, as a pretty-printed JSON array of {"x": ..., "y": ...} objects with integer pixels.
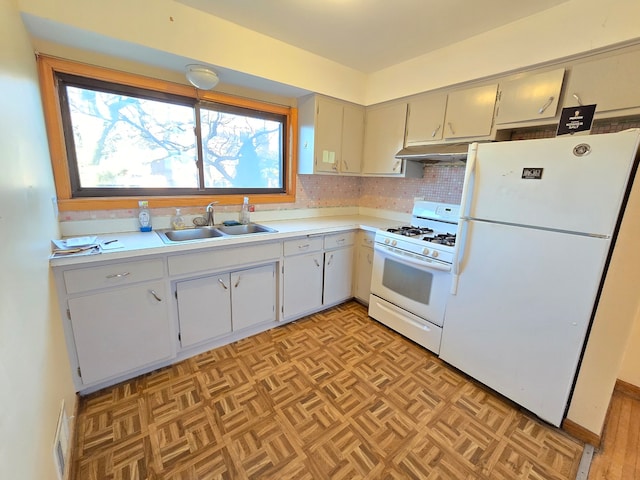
[{"x": 576, "y": 119}]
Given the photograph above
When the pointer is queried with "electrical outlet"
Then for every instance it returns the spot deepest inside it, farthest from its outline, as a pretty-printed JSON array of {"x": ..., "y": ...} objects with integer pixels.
[{"x": 54, "y": 203}]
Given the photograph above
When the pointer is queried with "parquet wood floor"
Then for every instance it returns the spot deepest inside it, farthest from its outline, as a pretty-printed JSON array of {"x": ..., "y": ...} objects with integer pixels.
[
  {"x": 333, "y": 396},
  {"x": 619, "y": 455}
]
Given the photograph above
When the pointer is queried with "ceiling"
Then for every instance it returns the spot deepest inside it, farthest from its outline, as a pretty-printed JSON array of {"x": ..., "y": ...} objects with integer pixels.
[{"x": 370, "y": 35}]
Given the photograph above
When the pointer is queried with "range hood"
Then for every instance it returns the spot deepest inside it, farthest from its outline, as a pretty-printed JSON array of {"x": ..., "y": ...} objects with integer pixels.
[{"x": 449, "y": 153}]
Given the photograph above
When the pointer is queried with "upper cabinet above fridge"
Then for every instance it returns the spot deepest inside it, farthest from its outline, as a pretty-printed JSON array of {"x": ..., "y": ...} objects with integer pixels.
[
  {"x": 611, "y": 82},
  {"x": 529, "y": 97}
]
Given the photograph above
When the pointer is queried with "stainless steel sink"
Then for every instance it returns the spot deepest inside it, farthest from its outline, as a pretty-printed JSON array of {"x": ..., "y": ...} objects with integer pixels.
[
  {"x": 205, "y": 233},
  {"x": 244, "y": 229},
  {"x": 200, "y": 233}
]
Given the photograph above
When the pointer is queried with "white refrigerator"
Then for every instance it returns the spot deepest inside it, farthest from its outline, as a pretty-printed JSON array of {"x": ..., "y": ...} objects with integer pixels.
[{"x": 538, "y": 224}]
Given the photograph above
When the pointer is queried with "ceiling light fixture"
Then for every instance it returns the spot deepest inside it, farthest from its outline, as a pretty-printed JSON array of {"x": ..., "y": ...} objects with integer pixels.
[{"x": 201, "y": 76}]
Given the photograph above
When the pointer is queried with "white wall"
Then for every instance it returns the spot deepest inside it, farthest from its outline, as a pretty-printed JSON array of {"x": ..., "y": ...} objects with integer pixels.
[
  {"x": 34, "y": 370},
  {"x": 170, "y": 27},
  {"x": 570, "y": 28},
  {"x": 630, "y": 370}
]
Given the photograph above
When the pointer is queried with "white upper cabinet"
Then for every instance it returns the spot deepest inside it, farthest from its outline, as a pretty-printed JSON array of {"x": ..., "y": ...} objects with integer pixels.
[
  {"x": 425, "y": 119},
  {"x": 470, "y": 112},
  {"x": 383, "y": 138},
  {"x": 352, "y": 138},
  {"x": 331, "y": 136},
  {"x": 611, "y": 82},
  {"x": 529, "y": 97}
]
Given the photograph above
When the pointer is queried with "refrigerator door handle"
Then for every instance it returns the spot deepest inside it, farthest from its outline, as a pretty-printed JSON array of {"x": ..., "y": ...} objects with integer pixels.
[{"x": 467, "y": 192}]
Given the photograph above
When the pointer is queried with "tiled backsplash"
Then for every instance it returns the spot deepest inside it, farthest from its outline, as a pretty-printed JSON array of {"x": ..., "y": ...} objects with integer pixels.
[{"x": 440, "y": 184}]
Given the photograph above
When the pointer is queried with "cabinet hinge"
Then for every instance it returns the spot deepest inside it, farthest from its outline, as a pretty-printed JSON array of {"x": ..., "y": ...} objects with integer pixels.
[
  {"x": 175, "y": 294},
  {"x": 79, "y": 372},
  {"x": 179, "y": 337},
  {"x": 282, "y": 268},
  {"x": 68, "y": 314}
]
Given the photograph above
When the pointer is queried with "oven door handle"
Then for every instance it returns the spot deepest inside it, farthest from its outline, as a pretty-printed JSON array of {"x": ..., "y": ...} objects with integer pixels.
[{"x": 387, "y": 251}]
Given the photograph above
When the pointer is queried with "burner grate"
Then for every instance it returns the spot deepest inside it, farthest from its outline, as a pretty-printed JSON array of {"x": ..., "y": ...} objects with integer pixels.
[
  {"x": 410, "y": 231},
  {"x": 448, "y": 239}
]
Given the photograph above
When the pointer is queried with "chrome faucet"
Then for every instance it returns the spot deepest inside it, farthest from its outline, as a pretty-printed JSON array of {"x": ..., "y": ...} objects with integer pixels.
[{"x": 210, "y": 219}]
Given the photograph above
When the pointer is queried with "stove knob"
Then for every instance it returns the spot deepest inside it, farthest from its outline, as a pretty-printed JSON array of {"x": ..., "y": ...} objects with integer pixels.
[
  {"x": 394, "y": 243},
  {"x": 425, "y": 251},
  {"x": 386, "y": 240},
  {"x": 434, "y": 254}
]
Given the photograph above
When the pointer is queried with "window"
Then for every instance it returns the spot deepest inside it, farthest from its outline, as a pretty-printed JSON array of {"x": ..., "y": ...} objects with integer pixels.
[{"x": 121, "y": 138}]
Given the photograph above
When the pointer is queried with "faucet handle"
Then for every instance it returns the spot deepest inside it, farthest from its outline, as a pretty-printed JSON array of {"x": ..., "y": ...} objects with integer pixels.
[{"x": 210, "y": 206}]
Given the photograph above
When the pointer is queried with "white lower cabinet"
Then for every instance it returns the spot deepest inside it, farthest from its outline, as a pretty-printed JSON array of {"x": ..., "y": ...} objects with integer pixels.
[
  {"x": 303, "y": 265},
  {"x": 338, "y": 268},
  {"x": 204, "y": 309},
  {"x": 217, "y": 305},
  {"x": 120, "y": 330},
  {"x": 253, "y": 296},
  {"x": 364, "y": 266}
]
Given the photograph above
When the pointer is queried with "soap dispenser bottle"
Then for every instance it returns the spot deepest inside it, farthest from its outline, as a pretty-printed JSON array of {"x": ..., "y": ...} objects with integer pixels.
[
  {"x": 144, "y": 217},
  {"x": 245, "y": 215},
  {"x": 177, "y": 221}
]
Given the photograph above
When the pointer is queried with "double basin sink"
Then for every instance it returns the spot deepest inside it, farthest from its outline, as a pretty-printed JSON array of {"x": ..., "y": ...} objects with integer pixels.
[{"x": 203, "y": 233}]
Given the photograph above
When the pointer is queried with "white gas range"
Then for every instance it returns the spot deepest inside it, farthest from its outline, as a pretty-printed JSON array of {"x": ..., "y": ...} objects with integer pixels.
[{"x": 411, "y": 274}]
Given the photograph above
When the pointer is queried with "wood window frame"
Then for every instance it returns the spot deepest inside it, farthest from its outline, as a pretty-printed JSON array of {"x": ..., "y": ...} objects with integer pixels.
[{"x": 47, "y": 69}]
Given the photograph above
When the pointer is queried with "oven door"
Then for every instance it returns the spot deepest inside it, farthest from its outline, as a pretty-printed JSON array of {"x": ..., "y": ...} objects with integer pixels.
[{"x": 416, "y": 284}]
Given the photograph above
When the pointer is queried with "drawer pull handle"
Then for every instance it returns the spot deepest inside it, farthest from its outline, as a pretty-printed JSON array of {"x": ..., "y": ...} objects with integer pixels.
[
  {"x": 316, "y": 260},
  {"x": 330, "y": 260},
  {"x": 453, "y": 132},
  {"x": 546, "y": 105},
  {"x": 222, "y": 283},
  {"x": 119, "y": 275},
  {"x": 433, "y": 134},
  {"x": 341, "y": 240},
  {"x": 302, "y": 247},
  {"x": 155, "y": 295},
  {"x": 237, "y": 282},
  {"x": 577, "y": 97}
]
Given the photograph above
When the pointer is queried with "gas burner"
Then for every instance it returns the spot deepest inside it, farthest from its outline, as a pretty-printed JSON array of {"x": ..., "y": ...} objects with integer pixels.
[
  {"x": 448, "y": 239},
  {"x": 410, "y": 231}
]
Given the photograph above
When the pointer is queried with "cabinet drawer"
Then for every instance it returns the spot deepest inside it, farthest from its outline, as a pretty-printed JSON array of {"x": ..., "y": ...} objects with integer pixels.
[
  {"x": 338, "y": 240},
  {"x": 302, "y": 245},
  {"x": 85, "y": 279},
  {"x": 366, "y": 239},
  {"x": 221, "y": 258}
]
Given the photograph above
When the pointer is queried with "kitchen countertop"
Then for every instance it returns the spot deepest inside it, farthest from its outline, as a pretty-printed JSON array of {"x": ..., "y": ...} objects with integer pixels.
[{"x": 138, "y": 244}]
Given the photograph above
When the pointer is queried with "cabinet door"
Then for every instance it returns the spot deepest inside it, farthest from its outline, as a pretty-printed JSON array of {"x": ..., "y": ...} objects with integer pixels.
[
  {"x": 425, "y": 119},
  {"x": 253, "y": 296},
  {"x": 383, "y": 138},
  {"x": 610, "y": 82},
  {"x": 302, "y": 284},
  {"x": 204, "y": 308},
  {"x": 120, "y": 330},
  {"x": 352, "y": 138},
  {"x": 530, "y": 97},
  {"x": 470, "y": 112},
  {"x": 364, "y": 265},
  {"x": 328, "y": 135},
  {"x": 338, "y": 275}
]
